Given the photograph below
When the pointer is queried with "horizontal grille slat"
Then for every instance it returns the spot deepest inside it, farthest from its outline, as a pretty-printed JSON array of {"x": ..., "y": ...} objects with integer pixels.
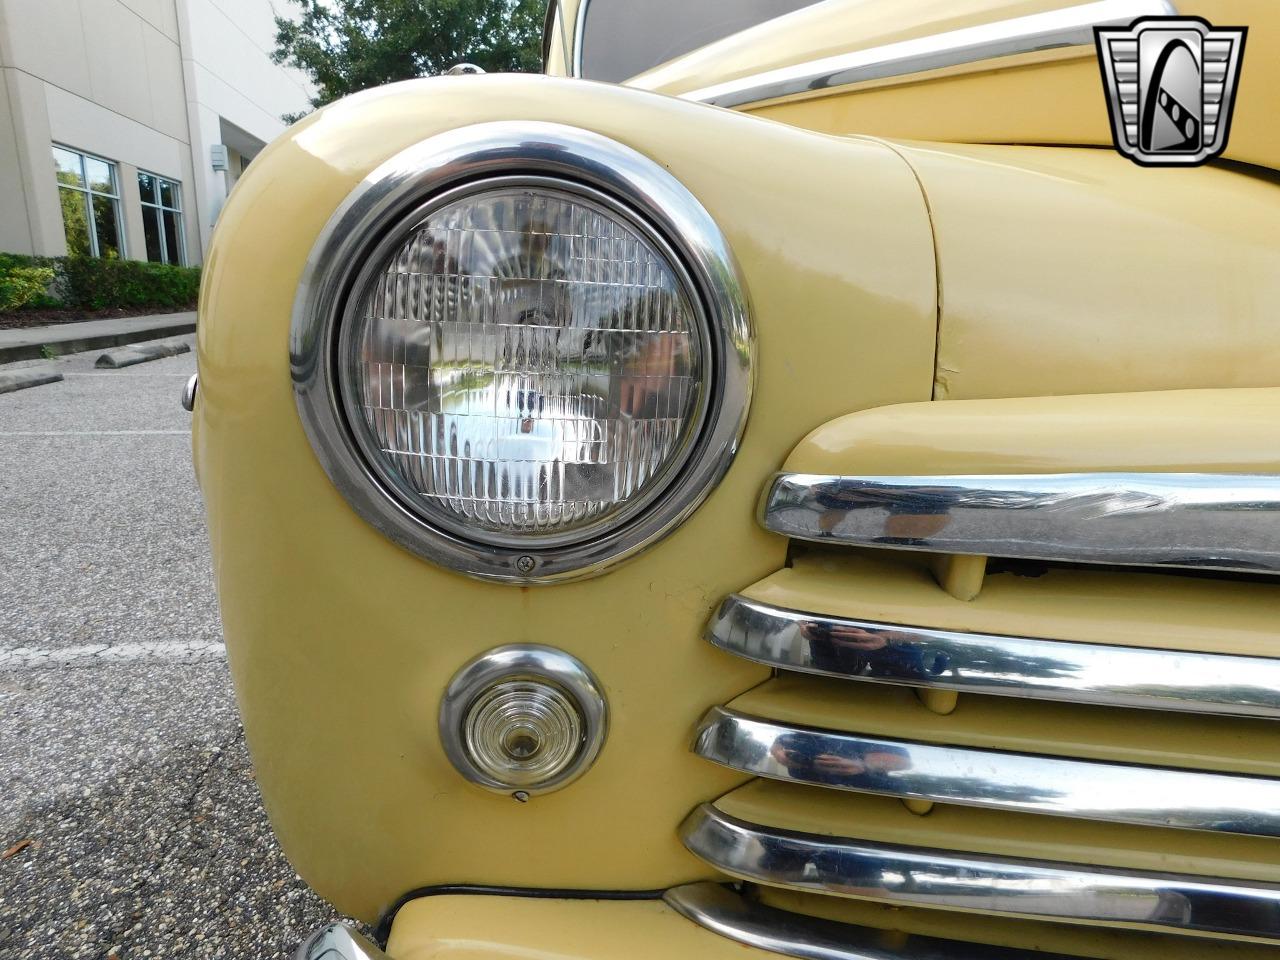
[
  {"x": 1195, "y": 520},
  {"x": 1150, "y": 796},
  {"x": 1075, "y": 731},
  {"x": 749, "y": 922},
  {"x": 993, "y": 664},
  {"x": 911, "y": 875},
  {"x": 1032, "y": 936},
  {"x": 1004, "y": 833}
]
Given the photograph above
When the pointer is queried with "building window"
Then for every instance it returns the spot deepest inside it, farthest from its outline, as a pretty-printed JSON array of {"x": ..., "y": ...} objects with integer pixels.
[
  {"x": 162, "y": 218},
  {"x": 90, "y": 195}
]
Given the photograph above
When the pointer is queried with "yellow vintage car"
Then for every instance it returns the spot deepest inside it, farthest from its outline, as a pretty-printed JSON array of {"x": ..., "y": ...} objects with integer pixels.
[{"x": 784, "y": 482}]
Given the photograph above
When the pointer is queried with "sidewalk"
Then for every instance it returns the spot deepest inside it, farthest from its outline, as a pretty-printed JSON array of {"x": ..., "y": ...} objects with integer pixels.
[{"x": 30, "y": 344}]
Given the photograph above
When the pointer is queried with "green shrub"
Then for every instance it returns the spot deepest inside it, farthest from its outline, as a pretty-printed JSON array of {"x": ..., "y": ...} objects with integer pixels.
[
  {"x": 90, "y": 283},
  {"x": 95, "y": 284},
  {"x": 21, "y": 285}
]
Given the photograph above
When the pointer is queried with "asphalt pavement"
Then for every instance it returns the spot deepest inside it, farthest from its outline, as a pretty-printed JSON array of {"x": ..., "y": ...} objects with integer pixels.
[{"x": 131, "y": 825}]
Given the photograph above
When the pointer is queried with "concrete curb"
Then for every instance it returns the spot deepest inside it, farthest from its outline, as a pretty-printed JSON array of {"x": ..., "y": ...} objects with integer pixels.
[
  {"x": 152, "y": 350},
  {"x": 30, "y": 377},
  {"x": 49, "y": 340}
]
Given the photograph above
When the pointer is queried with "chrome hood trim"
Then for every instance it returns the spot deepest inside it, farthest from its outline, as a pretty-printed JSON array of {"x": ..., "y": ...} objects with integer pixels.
[{"x": 1070, "y": 26}]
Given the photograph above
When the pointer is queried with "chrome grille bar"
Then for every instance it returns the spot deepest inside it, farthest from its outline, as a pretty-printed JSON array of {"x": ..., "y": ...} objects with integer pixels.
[
  {"x": 946, "y": 879},
  {"x": 994, "y": 664},
  {"x": 758, "y": 925},
  {"x": 1090, "y": 790},
  {"x": 1211, "y": 521}
]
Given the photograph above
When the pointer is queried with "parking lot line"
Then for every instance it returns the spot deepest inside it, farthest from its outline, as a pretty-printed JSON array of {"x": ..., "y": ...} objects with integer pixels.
[
  {"x": 94, "y": 433},
  {"x": 195, "y": 651}
]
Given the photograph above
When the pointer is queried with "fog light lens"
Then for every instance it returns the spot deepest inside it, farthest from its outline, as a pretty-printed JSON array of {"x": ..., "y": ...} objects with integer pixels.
[
  {"x": 523, "y": 719},
  {"x": 523, "y": 732}
]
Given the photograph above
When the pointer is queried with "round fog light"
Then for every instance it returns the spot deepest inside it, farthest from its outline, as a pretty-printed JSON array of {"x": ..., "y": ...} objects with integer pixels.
[{"x": 523, "y": 718}]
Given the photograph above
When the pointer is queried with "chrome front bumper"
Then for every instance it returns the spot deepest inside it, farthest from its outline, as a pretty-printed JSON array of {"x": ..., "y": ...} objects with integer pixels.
[{"x": 334, "y": 941}]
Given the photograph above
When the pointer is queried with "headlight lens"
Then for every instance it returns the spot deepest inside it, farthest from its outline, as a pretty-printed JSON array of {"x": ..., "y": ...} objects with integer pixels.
[{"x": 526, "y": 365}]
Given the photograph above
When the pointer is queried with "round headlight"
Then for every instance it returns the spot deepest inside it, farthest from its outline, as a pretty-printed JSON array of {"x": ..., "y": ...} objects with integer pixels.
[
  {"x": 522, "y": 351},
  {"x": 525, "y": 365}
]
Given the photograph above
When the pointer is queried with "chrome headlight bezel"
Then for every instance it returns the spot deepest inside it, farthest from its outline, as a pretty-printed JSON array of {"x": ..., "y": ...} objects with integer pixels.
[{"x": 390, "y": 200}]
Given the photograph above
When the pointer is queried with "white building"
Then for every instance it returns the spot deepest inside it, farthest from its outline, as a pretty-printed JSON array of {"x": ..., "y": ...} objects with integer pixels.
[{"x": 124, "y": 123}]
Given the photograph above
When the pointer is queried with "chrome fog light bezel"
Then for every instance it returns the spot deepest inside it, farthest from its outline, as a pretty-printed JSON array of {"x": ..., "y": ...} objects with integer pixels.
[
  {"x": 574, "y": 159},
  {"x": 532, "y": 662}
]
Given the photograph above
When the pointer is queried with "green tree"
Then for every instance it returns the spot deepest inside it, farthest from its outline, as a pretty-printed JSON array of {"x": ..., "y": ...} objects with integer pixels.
[{"x": 350, "y": 45}]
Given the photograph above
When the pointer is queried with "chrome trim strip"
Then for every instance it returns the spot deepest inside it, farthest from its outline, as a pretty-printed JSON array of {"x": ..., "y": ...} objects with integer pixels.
[
  {"x": 1070, "y": 26},
  {"x": 642, "y": 191},
  {"x": 1074, "y": 672},
  {"x": 1028, "y": 783},
  {"x": 922, "y": 876},
  {"x": 335, "y": 941},
  {"x": 721, "y": 910},
  {"x": 579, "y": 29},
  {"x": 189, "y": 392},
  {"x": 1228, "y": 521},
  {"x": 526, "y": 661}
]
